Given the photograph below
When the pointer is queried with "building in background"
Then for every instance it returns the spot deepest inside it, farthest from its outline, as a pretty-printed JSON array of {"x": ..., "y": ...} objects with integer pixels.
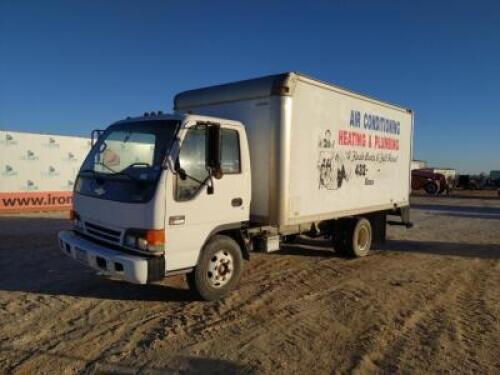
[
  {"x": 418, "y": 164},
  {"x": 495, "y": 175},
  {"x": 37, "y": 171}
]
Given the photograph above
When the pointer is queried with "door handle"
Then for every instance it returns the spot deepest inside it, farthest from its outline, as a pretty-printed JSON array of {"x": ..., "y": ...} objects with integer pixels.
[
  {"x": 176, "y": 220},
  {"x": 236, "y": 202}
]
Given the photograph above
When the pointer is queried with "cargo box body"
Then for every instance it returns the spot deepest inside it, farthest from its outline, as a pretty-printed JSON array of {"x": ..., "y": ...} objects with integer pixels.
[{"x": 317, "y": 151}]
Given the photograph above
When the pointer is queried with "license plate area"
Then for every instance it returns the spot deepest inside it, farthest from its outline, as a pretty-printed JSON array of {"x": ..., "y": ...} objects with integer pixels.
[{"x": 81, "y": 255}]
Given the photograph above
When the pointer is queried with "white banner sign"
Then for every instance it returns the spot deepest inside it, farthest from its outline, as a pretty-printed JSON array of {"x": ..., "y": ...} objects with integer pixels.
[{"x": 32, "y": 164}]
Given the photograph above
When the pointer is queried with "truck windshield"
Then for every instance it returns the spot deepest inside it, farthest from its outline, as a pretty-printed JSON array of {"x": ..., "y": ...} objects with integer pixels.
[{"x": 126, "y": 161}]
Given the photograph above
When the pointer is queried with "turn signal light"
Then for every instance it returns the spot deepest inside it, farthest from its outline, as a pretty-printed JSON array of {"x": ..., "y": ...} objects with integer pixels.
[{"x": 155, "y": 237}]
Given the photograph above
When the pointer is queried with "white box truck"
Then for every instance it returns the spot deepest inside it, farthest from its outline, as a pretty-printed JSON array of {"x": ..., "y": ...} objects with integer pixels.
[{"x": 237, "y": 168}]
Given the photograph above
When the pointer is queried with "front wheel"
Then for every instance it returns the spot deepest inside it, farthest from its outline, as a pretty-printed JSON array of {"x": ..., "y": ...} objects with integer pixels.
[{"x": 218, "y": 270}]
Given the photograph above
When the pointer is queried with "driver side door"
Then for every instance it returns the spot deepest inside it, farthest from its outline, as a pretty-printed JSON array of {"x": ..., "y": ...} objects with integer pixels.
[{"x": 193, "y": 214}]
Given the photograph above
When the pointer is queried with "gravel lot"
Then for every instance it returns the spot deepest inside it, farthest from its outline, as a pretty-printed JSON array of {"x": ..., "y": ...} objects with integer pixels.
[{"x": 427, "y": 302}]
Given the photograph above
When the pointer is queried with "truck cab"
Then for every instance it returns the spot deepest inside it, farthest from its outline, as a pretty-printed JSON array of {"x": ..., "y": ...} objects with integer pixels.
[{"x": 156, "y": 190}]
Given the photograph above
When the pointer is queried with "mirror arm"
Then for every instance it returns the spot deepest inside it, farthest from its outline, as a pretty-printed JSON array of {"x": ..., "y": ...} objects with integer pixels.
[
  {"x": 169, "y": 164},
  {"x": 210, "y": 187},
  {"x": 172, "y": 155},
  {"x": 94, "y": 136}
]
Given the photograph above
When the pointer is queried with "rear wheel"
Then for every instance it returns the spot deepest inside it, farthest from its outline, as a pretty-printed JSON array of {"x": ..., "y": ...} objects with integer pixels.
[
  {"x": 218, "y": 270},
  {"x": 359, "y": 237}
]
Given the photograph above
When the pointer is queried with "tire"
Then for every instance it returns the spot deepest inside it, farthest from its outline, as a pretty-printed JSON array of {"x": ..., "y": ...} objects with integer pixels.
[
  {"x": 218, "y": 270},
  {"x": 431, "y": 188},
  {"x": 359, "y": 237}
]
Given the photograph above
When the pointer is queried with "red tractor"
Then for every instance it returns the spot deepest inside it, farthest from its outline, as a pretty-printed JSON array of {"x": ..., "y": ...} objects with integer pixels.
[{"x": 432, "y": 183}]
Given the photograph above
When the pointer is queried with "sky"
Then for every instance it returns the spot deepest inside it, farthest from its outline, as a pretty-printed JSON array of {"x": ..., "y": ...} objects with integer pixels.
[{"x": 67, "y": 67}]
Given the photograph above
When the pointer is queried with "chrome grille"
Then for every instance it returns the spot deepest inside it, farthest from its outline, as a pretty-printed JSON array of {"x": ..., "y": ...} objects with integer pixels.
[{"x": 107, "y": 234}]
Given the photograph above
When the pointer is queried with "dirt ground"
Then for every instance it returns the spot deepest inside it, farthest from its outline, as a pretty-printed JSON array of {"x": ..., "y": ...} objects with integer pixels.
[{"x": 427, "y": 302}]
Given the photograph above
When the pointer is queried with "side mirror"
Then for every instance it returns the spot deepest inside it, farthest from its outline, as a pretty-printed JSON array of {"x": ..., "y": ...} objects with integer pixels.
[
  {"x": 94, "y": 136},
  {"x": 213, "y": 155},
  {"x": 182, "y": 174}
]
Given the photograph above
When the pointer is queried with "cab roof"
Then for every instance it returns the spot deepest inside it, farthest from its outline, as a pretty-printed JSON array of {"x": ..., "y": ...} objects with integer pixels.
[{"x": 179, "y": 117}]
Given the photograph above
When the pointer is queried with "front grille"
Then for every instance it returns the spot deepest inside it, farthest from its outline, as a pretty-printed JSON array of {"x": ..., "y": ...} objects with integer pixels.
[{"x": 103, "y": 233}]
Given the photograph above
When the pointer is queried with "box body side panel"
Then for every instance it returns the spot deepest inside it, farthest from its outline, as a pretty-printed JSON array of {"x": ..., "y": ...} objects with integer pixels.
[{"x": 347, "y": 155}]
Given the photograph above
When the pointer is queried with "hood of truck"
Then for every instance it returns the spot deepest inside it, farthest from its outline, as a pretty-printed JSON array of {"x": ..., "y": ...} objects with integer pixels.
[{"x": 123, "y": 215}]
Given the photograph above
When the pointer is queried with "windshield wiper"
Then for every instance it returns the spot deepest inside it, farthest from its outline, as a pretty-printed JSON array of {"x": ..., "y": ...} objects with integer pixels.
[
  {"x": 184, "y": 175},
  {"x": 117, "y": 173},
  {"x": 106, "y": 166},
  {"x": 94, "y": 173},
  {"x": 97, "y": 176},
  {"x": 88, "y": 170},
  {"x": 139, "y": 163}
]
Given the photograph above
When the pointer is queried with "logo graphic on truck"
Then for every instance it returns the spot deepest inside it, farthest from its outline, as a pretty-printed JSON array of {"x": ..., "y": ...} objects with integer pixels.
[
  {"x": 340, "y": 159},
  {"x": 331, "y": 168}
]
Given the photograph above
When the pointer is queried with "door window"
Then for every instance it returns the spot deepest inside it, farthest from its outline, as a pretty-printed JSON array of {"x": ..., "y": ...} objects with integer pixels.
[{"x": 192, "y": 162}]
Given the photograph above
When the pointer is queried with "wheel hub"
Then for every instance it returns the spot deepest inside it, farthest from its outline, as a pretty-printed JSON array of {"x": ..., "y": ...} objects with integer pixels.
[
  {"x": 363, "y": 238},
  {"x": 220, "y": 269}
]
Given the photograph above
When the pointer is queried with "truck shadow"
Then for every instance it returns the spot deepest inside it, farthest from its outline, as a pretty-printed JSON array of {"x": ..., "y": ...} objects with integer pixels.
[
  {"x": 31, "y": 262},
  {"x": 317, "y": 247},
  {"x": 470, "y": 212},
  {"x": 491, "y": 195},
  {"x": 303, "y": 246},
  {"x": 471, "y": 215},
  {"x": 494, "y": 196},
  {"x": 94, "y": 286},
  {"x": 485, "y": 251},
  {"x": 323, "y": 248},
  {"x": 177, "y": 364},
  {"x": 13, "y": 225},
  {"x": 449, "y": 209}
]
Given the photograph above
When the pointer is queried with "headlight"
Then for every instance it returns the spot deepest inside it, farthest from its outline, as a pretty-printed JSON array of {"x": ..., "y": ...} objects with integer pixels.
[
  {"x": 130, "y": 240},
  {"x": 152, "y": 240},
  {"x": 142, "y": 243}
]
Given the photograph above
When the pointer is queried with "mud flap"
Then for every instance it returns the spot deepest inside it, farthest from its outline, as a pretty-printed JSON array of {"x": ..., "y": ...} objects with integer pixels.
[
  {"x": 156, "y": 268},
  {"x": 404, "y": 213},
  {"x": 379, "y": 227}
]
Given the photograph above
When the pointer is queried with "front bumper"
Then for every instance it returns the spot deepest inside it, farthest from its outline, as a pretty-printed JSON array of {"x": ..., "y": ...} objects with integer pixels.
[{"x": 131, "y": 268}]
